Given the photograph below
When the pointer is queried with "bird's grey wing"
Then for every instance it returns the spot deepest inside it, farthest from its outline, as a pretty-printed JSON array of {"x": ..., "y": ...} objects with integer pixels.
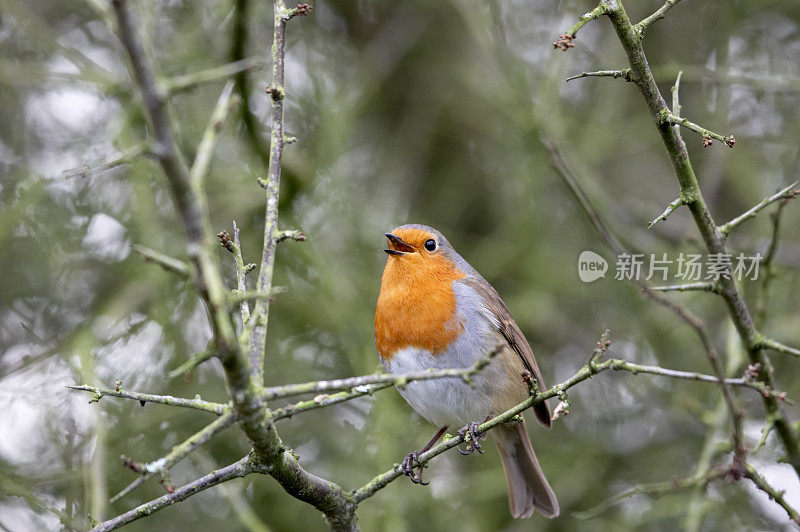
[{"x": 513, "y": 335}]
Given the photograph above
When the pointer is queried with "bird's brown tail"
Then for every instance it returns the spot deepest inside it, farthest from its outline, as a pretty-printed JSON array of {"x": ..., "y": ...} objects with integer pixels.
[{"x": 527, "y": 487}]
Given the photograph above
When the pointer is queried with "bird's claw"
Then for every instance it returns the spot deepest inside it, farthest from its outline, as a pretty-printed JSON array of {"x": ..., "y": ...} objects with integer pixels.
[
  {"x": 471, "y": 430},
  {"x": 407, "y": 466}
]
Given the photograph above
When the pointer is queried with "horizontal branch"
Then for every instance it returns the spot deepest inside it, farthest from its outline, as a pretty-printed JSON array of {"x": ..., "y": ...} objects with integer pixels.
[
  {"x": 324, "y": 400},
  {"x": 624, "y": 74},
  {"x": 178, "y": 452},
  {"x": 210, "y": 75},
  {"x": 291, "y": 234},
  {"x": 399, "y": 380},
  {"x": 653, "y": 489},
  {"x": 239, "y": 469},
  {"x": 197, "y": 403},
  {"x": 707, "y": 134},
  {"x": 171, "y": 264},
  {"x": 767, "y": 343},
  {"x": 586, "y": 372},
  {"x": 688, "y": 287},
  {"x": 125, "y": 157},
  {"x": 785, "y": 193}
]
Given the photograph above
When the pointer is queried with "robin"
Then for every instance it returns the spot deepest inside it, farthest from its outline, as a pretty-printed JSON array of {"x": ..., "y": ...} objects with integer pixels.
[{"x": 435, "y": 311}]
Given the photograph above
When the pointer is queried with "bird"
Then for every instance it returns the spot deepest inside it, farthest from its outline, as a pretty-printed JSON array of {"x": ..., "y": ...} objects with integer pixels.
[{"x": 434, "y": 310}]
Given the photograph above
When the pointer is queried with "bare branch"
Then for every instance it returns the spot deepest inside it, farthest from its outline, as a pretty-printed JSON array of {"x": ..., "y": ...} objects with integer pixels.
[
  {"x": 210, "y": 75},
  {"x": 786, "y": 193},
  {"x": 669, "y": 210},
  {"x": 256, "y": 333},
  {"x": 197, "y": 403},
  {"x": 658, "y": 15},
  {"x": 192, "y": 363},
  {"x": 170, "y": 264},
  {"x": 238, "y": 469},
  {"x": 767, "y": 343},
  {"x": 654, "y": 489},
  {"x": 713, "y": 239},
  {"x": 670, "y": 118},
  {"x": 676, "y": 102},
  {"x": 125, "y": 157},
  {"x": 592, "y": 368},
  {"x": 624, "y": 74},
  {"x": 688, "y": 287},
  {"x": 179, "y": 452},
  {"x": 564, "y": 41},
  {"x": 206, "y": 148},
  {"x": 774, "y": 494},
  {"x": 241, "y": 275},
  {"x": 767, "y": 265},
  {"x": 399, "y": 379},
  {"x": 325, "y": 400}
]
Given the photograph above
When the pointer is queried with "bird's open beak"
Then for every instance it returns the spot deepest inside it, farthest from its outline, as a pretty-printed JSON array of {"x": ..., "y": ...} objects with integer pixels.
[{"x": 397, "y": 246}]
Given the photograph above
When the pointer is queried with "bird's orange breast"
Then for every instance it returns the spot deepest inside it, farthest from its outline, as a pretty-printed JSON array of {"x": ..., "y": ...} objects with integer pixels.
[{"x": 417, "y": 305}]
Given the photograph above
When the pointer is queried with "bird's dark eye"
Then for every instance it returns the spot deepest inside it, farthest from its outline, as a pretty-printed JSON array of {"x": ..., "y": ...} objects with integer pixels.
[{"x": 430, "y": 245}]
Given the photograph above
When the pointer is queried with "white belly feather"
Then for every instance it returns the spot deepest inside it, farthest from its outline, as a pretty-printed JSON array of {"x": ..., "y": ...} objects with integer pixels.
[{"x": 451, "y": 401}]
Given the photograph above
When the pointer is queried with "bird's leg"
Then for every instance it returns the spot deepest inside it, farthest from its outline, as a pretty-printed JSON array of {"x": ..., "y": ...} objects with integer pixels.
[
  {"x": 471, "y": 430},
  {"x": 408, "y": 462}
]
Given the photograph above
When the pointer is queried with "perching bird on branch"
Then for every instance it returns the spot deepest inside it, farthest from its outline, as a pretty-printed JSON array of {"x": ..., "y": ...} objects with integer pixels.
[{"x": 435, "y": 311}]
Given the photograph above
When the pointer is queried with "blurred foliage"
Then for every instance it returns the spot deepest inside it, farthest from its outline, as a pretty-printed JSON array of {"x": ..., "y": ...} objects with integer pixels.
[{"x": 414, "y": 111}]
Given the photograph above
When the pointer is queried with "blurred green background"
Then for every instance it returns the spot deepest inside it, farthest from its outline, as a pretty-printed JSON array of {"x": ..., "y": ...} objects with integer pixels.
[{"x": 415, "y": 111}]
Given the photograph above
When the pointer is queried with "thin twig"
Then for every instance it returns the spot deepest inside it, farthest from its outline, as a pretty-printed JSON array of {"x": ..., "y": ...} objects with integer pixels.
[
  {"x": 676, "y": 102},
  {"x": 325, "y": 400},
  {"x": 624, "y": 74},
  {"x": 669, "y": 117},
  {"x": 256, "y": 332},
  {"x": 205, "y": 150},
  {"x": 702, "y": 286},
  {"x": 179, "y": 452},
  {"x": 290, "y": 234},
  {"x": 785, "y": 193},
  {"x": 197, "y": 403},
  {"x": 773, "y": 494},
  {"x": 238, "y": 469},
  {"x": 187, "y": 367},
  {"x": 210, "y": 75},
  {"x": 170, "y": 264},
  {"x": 767, "y": 343},
  {"x": 125, "y": 157},
  {"x": 654, "y": 489},
  {"x": 767, "y": 266},
  {"x": 251, "y": 295},
  {"x": 241, "y": 275},
  {"x": 669, "y": 210},
  {"x": 658, "y": 15},
  {"x": 400, "y": 379}
]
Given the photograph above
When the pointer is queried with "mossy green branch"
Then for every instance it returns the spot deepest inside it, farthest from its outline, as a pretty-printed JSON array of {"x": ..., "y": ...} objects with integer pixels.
[
  {"x": 197, "y": 403},
  {"x": 714, "y": 240},
  {"x": 784, "y": 194},
  {"x": 179, "y": 452},
  {"x": 593, "y": 367}
]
